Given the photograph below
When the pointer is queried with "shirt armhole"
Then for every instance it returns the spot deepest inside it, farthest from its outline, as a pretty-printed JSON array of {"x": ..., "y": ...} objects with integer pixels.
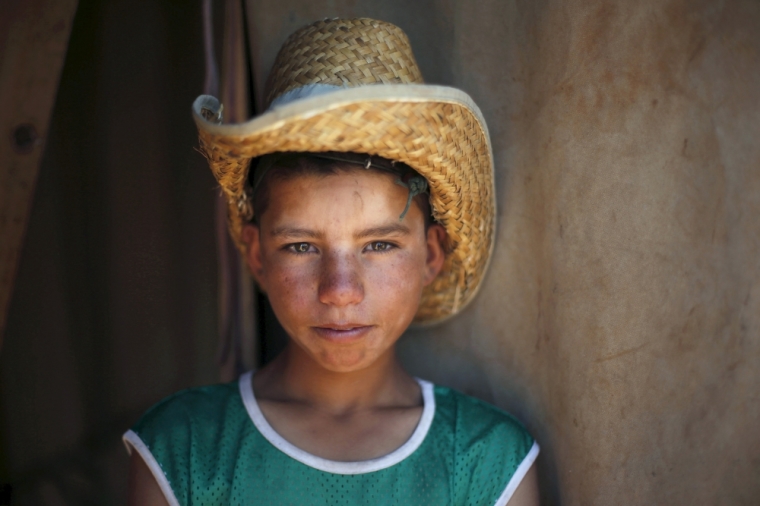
[
  {"x": 133, "y": 441},
  {"x": 517, "y": 478}
]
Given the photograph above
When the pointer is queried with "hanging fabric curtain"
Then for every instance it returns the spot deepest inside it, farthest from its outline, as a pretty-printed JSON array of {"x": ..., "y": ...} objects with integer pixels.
[{"x": 237, "y": 350}]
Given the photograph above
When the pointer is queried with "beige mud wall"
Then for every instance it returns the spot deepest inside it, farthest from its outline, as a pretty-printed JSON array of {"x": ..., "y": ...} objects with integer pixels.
[{"x": 620, "y": 319}]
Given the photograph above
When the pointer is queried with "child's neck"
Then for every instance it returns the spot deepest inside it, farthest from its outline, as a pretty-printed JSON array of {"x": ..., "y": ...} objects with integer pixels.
[
  {"x": 294, "y": 376},
  {"x": 343, "y": 416}
]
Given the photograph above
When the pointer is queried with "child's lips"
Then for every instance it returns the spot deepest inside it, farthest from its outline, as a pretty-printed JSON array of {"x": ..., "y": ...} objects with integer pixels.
[{"x": 342, "y": 332}]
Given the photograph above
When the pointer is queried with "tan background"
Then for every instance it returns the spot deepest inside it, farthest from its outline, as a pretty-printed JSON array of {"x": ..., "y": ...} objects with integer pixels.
[{"x": 621, "y": 315}]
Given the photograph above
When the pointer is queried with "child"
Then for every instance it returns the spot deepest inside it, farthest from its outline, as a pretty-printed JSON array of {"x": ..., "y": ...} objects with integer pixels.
[{"x": 351, "y": 159}]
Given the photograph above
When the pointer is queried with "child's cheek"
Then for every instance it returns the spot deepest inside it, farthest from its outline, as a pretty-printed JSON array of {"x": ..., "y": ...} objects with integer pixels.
[
  {"x": 290, "y": 287},
  {"x": 398, "y": 283}
]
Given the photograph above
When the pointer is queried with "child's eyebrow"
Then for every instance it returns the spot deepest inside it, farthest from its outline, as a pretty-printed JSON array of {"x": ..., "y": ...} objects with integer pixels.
[
  {"x": 385, "y": 230},
  {"x": 381, "y": 231},
  {"x": 297, "y": 233}
]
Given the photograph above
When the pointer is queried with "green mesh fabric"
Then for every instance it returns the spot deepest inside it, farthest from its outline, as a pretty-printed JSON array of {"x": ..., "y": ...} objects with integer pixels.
[{"x": 212, "y": 454}]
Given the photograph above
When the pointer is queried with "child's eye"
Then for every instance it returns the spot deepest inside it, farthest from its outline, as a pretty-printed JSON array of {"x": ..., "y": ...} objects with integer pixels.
[
  {"x": 301, "y": 247},
  {"x": 379, "y": 246}
]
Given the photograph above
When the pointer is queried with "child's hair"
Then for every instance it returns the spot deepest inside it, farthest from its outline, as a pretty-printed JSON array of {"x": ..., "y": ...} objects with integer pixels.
[{"x": 293, "y": 165}]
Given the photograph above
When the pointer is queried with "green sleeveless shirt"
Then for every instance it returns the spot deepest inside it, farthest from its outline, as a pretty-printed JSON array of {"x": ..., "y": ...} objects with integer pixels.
[{"x": 212, "y": 446}]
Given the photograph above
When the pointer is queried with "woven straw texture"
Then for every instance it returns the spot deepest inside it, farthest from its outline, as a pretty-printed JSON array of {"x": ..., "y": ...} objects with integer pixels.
[
  {"x": 347, "y": 52},
  {"x": 444, "y": 141}
]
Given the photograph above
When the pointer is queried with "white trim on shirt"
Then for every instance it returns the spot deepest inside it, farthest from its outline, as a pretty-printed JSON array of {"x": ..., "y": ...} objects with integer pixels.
[
  {"x": 517, "y": 478},
  {"x": 334, "y": 466},
  {"x": 132, "y": 440}
]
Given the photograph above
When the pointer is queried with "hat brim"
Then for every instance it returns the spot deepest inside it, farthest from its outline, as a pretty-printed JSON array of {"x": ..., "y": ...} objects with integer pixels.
[{"x": 437, "y": 130}]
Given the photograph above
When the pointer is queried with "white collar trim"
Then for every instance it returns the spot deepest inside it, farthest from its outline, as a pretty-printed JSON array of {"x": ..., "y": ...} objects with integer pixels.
[{"x": 334, "y": 466}]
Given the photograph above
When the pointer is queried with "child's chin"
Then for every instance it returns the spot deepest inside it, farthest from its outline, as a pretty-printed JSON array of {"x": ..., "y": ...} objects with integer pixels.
[{"x": 345, "y": 361}]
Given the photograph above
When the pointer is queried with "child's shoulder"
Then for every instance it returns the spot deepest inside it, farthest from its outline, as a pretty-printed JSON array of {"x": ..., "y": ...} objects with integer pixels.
[
  {"x": 491, "y": 449},
  {"x": 472, "y": 409},
  {"x": 195, "y": 429},
  {"x": 474, "y": 422},
  {"x": 188, "y": 414},
  {"x": 193, "y": 402}
]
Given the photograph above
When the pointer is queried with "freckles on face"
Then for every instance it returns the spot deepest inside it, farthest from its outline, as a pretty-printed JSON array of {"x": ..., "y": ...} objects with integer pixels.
[{"x": 343, "y": 274}]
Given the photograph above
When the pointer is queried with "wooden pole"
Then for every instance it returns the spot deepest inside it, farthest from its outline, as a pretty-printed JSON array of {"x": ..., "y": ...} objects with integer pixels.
[{"x": 34, "y": 35}]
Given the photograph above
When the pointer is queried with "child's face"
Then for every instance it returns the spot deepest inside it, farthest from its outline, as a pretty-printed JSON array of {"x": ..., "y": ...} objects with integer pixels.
[{"x": 343, "y": 274}]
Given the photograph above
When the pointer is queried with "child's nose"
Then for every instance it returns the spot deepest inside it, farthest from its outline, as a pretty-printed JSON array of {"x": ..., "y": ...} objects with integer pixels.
[{"x": 340, "y": 283}]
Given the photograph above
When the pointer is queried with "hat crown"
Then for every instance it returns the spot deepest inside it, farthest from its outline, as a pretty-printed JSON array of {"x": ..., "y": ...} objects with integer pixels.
[{"x": 344, "y": 53}]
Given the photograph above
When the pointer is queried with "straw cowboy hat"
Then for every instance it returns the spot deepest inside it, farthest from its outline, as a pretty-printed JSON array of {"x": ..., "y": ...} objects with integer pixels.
[{"x": 353, "y": 85}]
